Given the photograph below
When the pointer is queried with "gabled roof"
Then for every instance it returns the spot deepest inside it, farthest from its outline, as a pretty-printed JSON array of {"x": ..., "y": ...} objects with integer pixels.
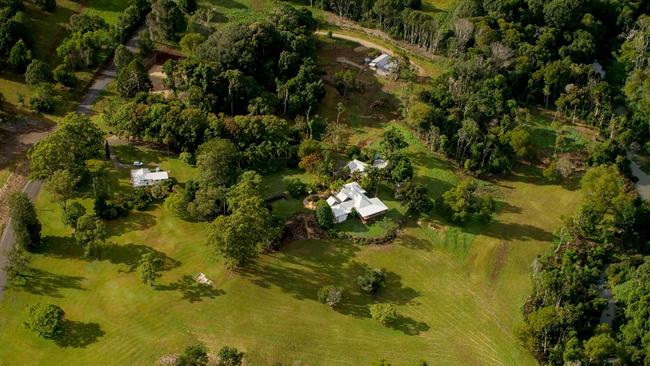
[
  {"x": 353, "y": 196},
  {"x": 356, "y": 166}
]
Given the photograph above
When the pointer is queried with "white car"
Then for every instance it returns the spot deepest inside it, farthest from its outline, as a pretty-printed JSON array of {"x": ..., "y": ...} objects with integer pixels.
[{"x": 138, "y": 163}]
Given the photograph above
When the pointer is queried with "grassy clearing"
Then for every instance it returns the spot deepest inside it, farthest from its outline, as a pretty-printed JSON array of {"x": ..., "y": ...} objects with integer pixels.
[
  {"x": 236, "y": 10},
  {"x": 458, "y": 290}
]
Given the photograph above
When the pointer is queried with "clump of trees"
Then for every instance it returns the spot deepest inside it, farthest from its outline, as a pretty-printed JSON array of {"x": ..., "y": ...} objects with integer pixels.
[
  {"x": 248, "y": 228},
  {"x": 562, "y": 314},
  {"x": 464, "y": 201},
  {"x": 197, "y": 355},
  {"x": 371, "y": 280}
]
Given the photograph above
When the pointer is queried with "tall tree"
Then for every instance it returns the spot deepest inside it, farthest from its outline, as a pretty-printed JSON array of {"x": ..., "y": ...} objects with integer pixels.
[
  {"x": 133, "y": 79},
  {"x": 24, "y": 221}
]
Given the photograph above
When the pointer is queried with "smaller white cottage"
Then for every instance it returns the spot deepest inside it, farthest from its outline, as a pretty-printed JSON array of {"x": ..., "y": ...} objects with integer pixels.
[
  {"x": 144, "y": 177},
  {"x": 356, "y": 166},
  {"x": 353, "y": 197},
  {"x": 383, "y": 64}
]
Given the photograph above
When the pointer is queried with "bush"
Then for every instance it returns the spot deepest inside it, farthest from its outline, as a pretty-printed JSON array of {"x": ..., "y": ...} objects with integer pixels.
[
  {"x": 371, "y": 281},
  {"x": 383, "y": 313},
  {"x": 45, "y": 319},
  {"x": 324, "y": 216},
  {"x": 230, "y": 356},
  {"x": 551, "y": 172},
  {"x": 353, "y": 151},
  {"x": 46, "y": 5},
  {"x": 72, "y": 213},
  {"x": 44, "y": 99},
  {"x": 19, "y": 57},
  {"x": 330, "y": 295},
  {"x": 296, "y": 188},
  {"x": 187, "y": 157},
  {"x": 38, "y": 72},
  {"x": 194, "y": 355},
  {"x": 64, "y": 75}
]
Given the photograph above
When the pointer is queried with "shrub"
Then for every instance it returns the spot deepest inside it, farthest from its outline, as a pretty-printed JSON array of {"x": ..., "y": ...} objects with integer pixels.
[
  {"x": 186, "y": 157},
  {"x": 38, "y": 72},
  {"x": 330, "y": 295},
  {"x": 230, "y": 356},
  {"x": 19, "y": 57},
  {"x": 324, "y": 216},
  {"x": 383, "y": 313},
  {"x": 353, "y": 151},
  {"x": 45, "y": 319},
  {"x": 64, "y": 75},
  {"x": 44, "y": 99},
  {"x": 371, "y": 281},
  {"x": 194, "y": 355},
  {"x": 296, "y": 188},
  {"x": 72, "y": 213},
  {"x": 46, "y": 5},
  {"x": 24, "y": 221},
  {"x": 551, "y": 172}
]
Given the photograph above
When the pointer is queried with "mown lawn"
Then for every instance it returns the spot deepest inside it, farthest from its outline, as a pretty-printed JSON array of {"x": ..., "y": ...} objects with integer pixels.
[{"x": 458, "y": 289}]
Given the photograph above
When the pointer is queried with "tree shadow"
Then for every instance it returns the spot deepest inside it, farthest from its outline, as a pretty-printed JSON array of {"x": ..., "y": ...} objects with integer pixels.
[
  {"x": 191, "y": 290},
  {"x": 78, "y": 335},
  {"x": 510, "y": 231},
  {"x": 408, "y": 326},
  {"x": 130, "y": 254},
  {"x": 126, "y": 254},
  {"x": 232, "y": 4},
  {"x": 135, "y": 221},
  {"x": 39, "y": 282}
]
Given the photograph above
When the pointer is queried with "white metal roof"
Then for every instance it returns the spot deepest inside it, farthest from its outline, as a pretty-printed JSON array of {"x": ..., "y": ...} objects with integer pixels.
[{"x": 352, "y": 196}]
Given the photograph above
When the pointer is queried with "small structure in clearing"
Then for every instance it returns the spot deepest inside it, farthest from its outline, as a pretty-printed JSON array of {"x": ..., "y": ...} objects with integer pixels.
[
  {"x": 144, "y": 177},
  {"x": 353, "y": 197},
  {"x": 383, "y": 64},
  {"x": 359, "y": 166}
]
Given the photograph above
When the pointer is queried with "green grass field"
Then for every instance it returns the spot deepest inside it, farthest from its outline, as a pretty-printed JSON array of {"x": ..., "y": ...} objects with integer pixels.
[{"x": 458, "y": 290}]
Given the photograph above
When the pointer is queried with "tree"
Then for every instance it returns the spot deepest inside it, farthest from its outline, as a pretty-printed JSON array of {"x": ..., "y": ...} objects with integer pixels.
[
  {"x": 239, "y": 236},
  {"x": 166, "y": 20},
  {"x": 230, "y": 356},
  {"x": 324, "y": 216},
  {"x": 371, "y": 280},
  {"x": 122, "y": 57},
  {"x": 414, "y": 198},
  {"x": 393, "y": 141},
  {"x": 218, "y": 162},
  {"x": 90, "y": 234},
  {"x": 44, "y": 98},
  {"x": 150, "y": 264},
  {"x": 330, "y": 295},
  {"x": 47, "y": 5},
  {"x": 604, "y": 188},
  {"x": 601, "y": 349},
  {"x": 145, "y": 44},
  {"x": 133, "y": 79},
  {"x": 190, "y": 42},
  {"x": 16, "y": 262},
  {"x": 72, "y": 213},
  {"x": 65, "y": 75},
  {"x": 188, "y": 6},
  {"x": 77, "y": 140},
  {"x": 194, "y": 355},
  {"x": 45, "y": 319},
  {"x": 462, "y": 201},
  {"x": 541, "y": 329},
  {"x": 62, "y": 185},
  {"x": 19, "y": 57},
  {"x": 383, "y": 313},
  {"x": 24, "y": 221},
  {"x": 38, "y": 72}
]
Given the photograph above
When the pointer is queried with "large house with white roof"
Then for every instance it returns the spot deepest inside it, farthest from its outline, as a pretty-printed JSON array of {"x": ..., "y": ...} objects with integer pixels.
[
  {"x": 353, "y": 197},
  {"x": 144, "y": 177}
]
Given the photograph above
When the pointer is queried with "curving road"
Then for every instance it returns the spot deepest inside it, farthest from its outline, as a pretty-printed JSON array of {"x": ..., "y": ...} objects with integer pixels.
[{"x": 32, "y": 188}]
